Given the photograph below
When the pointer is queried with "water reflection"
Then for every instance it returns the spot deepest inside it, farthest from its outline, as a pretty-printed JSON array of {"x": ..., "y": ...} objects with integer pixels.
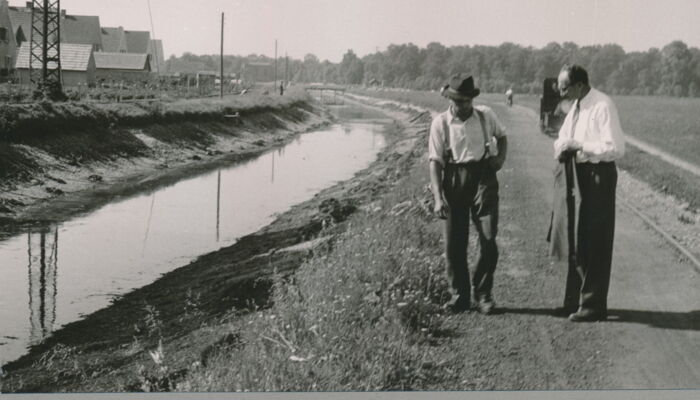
[
  {"x": 42, "y": 249},
  {"x": 131, "y": 242}
]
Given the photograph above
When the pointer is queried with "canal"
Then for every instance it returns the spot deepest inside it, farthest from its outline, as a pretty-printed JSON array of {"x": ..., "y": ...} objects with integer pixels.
[{"x": 56, "y": 274}]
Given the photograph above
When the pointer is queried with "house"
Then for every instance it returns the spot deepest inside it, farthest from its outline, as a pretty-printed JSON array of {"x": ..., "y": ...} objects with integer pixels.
[
  {"x": 137, "y": 41},
  {"x": 118, "y": 40},
  {"x": 113, "y": 40},
  {"x": 122, "y": 67},
  {"x": 21, "y": 19},
  {"x": 81, "y": 29},
  {"x": 155, "y": 49},
  {"x": 78, "y": 66},
  {"x": 76, "y": 29},
  {"x": 8, "y": 44}
]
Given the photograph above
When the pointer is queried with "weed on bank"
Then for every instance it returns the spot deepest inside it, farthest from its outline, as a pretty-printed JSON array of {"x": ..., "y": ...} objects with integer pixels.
[{"x": 361, "y": 314}]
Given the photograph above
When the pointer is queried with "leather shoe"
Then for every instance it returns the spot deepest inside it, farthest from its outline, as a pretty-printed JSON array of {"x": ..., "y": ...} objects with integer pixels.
[
  {"x": 564, "y": 312},
  {"x": 486, "y": 304},
  {"x": 459, "y": 304},
  {"x": 587, "y": 315}
]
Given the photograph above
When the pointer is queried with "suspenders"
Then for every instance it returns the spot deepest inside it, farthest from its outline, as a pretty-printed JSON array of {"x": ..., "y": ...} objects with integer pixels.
[{"x": 487, "y": 143}]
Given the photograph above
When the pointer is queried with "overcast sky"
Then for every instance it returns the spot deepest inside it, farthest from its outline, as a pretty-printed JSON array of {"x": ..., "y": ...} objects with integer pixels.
[{"x": 328, "y": 28}]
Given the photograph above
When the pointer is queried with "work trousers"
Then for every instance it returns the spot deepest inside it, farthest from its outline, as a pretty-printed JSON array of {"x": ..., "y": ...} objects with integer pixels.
[
  {"x": 588, "y": 279},
  {"x": 471, "y": 190}
]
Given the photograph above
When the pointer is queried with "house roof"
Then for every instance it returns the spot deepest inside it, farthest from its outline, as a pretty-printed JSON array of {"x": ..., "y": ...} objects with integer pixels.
[
  {"x": 74, "y": 57},
  {"x": 157, "y": 56},
  {"x": 113, "y": 40},
  {"x": 122, "y": 61},
  {"x": 81, "y": 29},
  {"x": 21, "y": 18},
  {"x": 137, "y": 41}
]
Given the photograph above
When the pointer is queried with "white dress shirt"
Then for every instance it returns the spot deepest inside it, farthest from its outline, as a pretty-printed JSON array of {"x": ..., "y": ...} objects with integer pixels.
[
  {"x": 465, "y": 139},
  {"x": 597, "y": 129}
]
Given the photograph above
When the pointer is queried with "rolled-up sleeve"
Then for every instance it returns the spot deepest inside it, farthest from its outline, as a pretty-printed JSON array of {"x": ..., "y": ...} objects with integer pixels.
[
  {"x": 611, "y": 144},
  {"x": 436, "y": 142}
]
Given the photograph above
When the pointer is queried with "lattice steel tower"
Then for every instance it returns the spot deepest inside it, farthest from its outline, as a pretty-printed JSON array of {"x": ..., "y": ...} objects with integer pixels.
[{"x": 45, "y": 45}]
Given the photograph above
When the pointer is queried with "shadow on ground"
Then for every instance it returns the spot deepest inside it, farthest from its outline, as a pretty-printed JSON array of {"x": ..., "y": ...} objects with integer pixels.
[{"x": 659, "y": 319}]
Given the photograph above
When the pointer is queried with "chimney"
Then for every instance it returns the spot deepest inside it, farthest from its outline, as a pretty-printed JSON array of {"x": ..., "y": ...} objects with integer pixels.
[{"x": 63, "y": 13}]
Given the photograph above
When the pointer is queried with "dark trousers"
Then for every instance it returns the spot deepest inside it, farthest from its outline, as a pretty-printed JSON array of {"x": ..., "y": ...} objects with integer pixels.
[
  {"x": 588, "y": 279},
  {"x": 471, "y": 191}
]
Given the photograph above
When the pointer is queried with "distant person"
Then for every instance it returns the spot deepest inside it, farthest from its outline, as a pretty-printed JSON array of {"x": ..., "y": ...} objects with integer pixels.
[
  {"x": 591, "y": 139},
  {"x": 281, "y": 88},
  {"x": 467, "y": 147},
  {"x": 509, "y": 97}
]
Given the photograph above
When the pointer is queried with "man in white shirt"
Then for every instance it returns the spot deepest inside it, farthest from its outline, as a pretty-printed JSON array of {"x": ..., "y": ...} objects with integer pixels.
[
  {"x": 467, "y": 146},
  {"x": 592, "y": 136}
]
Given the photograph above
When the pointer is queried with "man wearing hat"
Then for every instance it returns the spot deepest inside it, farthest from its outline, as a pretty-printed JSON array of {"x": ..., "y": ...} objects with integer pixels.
[{"x": 467, "y": 146}]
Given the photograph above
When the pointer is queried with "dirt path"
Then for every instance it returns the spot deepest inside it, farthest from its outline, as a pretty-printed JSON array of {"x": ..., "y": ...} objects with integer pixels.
[{"x": 651, "y": 340}]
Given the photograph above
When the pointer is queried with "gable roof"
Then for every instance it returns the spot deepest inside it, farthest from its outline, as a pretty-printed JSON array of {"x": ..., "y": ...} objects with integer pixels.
[
  {"x": 81, "y": 29},
  {"x": 113, "y": 40},
  {"x": 74, "y": 57},
  {"x": 137, "y": 41},
  {"x": 21, "y": 18},
  {"x": 123, "y": 61}
]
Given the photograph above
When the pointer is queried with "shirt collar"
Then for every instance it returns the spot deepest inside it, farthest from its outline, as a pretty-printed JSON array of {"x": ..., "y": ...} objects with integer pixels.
[
  {"x": 454, "y": 116},
  {"x": 587, "y": 99}
]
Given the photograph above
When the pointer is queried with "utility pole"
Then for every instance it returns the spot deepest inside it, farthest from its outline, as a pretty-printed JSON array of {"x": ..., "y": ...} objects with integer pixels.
[
  {"x": 45, "y": 47},
  {"x": 286, "y": 69},
  {"x": 274, "y": 85},
  {"x": 221, "y": 79}
]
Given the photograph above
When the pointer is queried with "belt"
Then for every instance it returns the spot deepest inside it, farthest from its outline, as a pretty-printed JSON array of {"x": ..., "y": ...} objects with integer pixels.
[
  {"x": 474, "y": 163},
  {"x": 600, "y": 163}
]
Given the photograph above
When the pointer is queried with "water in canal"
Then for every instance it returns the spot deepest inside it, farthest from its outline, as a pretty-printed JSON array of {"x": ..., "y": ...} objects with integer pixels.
[{"x": 56, "y": 274}]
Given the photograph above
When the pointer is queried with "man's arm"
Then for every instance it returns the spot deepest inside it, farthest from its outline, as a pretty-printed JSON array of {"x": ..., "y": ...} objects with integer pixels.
[
  {"x": 498, "y": 161},
  {"x": 436, "y": 172}
]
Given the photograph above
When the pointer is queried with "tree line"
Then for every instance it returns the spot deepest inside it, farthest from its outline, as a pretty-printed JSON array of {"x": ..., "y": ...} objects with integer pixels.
[{"x": 673, "y": 70}]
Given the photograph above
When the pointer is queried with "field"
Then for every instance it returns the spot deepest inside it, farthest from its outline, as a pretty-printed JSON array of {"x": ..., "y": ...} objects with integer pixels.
[{"x": 670, "y": 124}]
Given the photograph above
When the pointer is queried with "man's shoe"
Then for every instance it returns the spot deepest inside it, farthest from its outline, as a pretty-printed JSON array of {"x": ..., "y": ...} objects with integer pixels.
[
  {"x": 459, "y": 304},
  {"x": 486, "y": 304},
  {"x": 588, "y": 315},
  {"x": 564, "y": 312}
]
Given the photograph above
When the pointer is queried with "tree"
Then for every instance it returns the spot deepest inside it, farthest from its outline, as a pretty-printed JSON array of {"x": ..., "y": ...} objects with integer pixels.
[
  {"x": 351, "y": 69},
  {"x": 675, "y": 68}
]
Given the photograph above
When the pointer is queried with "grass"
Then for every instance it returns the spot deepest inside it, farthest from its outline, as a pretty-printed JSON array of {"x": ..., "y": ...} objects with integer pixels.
[
  {"x": 83, "y": 132},
  {"x": 22, "y": 120},
  {"x": 358, "y": 315}
]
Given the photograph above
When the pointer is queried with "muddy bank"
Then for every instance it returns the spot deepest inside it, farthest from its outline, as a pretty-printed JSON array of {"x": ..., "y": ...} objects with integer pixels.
[
  {"x": 178, "y": 309},
  {"x": 51, "y": 174}
]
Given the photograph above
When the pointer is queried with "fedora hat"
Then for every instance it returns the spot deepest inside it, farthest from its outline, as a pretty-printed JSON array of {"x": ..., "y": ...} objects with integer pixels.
[{"x": 460, "y": 87}]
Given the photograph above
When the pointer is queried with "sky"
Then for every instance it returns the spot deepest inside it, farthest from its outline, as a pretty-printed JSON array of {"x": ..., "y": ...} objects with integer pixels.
[{"x": 329, "y": 28}]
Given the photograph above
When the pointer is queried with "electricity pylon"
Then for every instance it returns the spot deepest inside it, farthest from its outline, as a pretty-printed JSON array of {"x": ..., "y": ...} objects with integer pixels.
[{"x": 45, "y": 48}]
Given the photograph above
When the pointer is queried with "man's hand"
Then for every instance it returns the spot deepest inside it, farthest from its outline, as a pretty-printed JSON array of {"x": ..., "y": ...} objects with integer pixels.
[
  {"x": 440, "y": 208},
  {"x": 569, "y": 146}
]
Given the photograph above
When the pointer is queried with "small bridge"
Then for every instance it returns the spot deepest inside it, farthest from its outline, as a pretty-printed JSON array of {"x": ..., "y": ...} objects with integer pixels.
[{"x": 332, "y": 95}]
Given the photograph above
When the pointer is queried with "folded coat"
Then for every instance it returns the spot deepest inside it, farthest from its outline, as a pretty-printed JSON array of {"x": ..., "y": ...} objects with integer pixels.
[{"x": 565, "y": 205}]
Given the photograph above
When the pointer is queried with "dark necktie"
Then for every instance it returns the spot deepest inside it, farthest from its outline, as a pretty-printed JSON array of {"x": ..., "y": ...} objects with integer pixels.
[{"x": 569, "y": 170}]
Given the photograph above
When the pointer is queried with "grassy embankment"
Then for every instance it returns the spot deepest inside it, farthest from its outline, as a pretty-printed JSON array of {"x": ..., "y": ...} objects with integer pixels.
[
  {"x": 83, "y": 132},
  {"x": 360, "y": 314},
  {"x": 669, "y": 124}
]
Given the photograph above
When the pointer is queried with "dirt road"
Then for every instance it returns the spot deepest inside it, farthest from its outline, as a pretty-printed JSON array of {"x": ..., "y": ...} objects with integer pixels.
[{"x": 652, "y": 338}]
